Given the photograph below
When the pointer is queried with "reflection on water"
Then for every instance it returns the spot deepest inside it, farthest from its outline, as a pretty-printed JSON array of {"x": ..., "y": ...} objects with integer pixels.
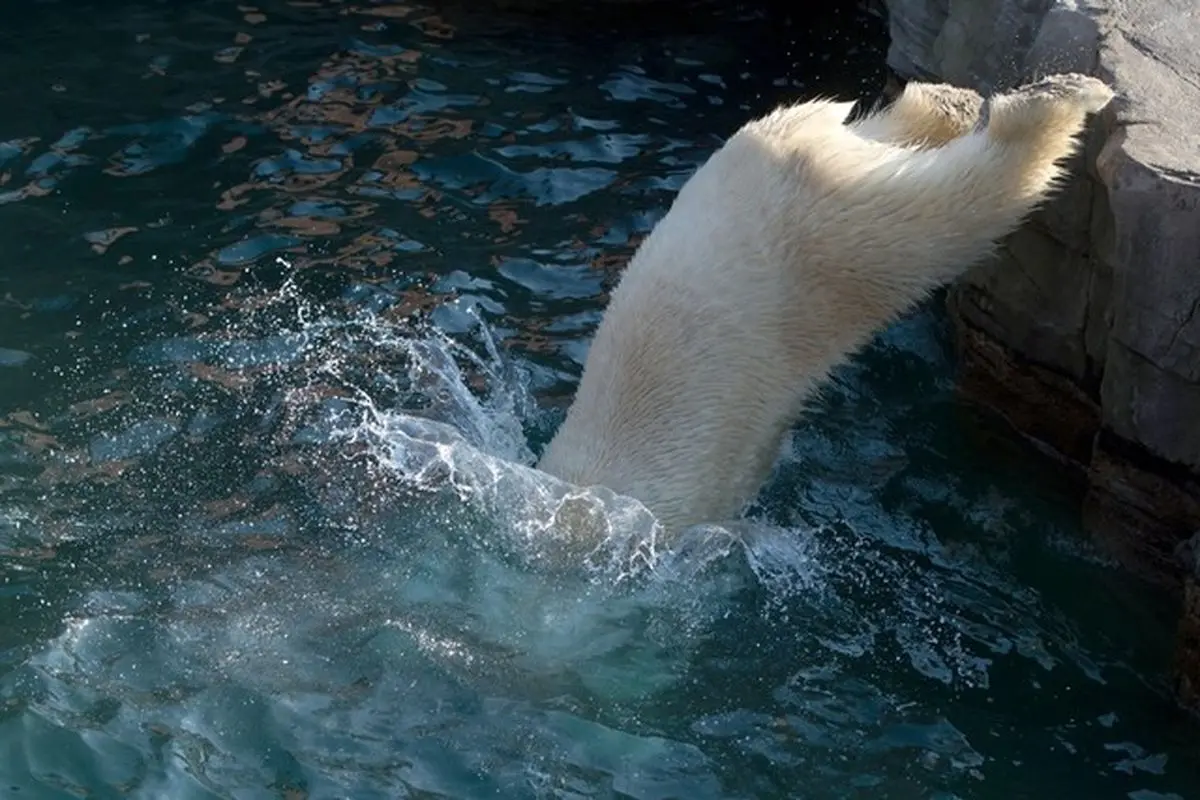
[{"x": 291, "y": 295}]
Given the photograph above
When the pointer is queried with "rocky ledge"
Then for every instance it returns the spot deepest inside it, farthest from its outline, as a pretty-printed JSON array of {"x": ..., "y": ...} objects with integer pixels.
[{"x": 1084, "y": 332}]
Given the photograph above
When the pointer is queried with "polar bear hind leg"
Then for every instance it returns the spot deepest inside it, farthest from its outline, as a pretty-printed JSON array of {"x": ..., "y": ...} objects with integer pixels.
[
  {"x": 886, "y": 224},
  {"x": 783, "y": 254}
]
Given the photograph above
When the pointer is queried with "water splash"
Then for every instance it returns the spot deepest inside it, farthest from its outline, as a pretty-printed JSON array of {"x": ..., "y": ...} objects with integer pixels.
[
  {"x": 435, "y": 571},
  {"x": 287, "y": 542}
]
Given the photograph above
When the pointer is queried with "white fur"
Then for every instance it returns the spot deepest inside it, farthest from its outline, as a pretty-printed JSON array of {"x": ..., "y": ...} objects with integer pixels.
[{"x": 783, "y": 254}]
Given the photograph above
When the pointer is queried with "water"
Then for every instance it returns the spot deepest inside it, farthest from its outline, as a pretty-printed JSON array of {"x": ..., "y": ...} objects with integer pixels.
[{"x": 292, "y": 295}]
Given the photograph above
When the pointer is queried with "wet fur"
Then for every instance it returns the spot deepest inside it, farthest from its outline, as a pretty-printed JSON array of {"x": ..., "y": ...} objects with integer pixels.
[{"x": 785, "y": 252}]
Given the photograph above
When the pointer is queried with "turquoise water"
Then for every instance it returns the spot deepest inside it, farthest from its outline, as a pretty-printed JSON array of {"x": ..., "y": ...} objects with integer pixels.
[{"x": 291, "y": 296}]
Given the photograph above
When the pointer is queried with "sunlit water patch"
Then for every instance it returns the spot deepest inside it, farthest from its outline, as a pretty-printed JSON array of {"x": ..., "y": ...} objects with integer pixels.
[{"x": 292, "y": 296}]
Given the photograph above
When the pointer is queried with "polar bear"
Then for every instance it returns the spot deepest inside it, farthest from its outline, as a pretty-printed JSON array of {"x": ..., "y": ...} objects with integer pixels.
[{"x": 784, "y": 253}]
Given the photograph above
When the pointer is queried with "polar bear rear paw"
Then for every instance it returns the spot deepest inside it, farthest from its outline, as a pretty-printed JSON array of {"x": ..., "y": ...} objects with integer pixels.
[
  {"x": 948, "y": 108},
  {"x": 924, "y": 115},
  {"x": 1085, "y": 92},
  {"x": 1049, "y": 105}
]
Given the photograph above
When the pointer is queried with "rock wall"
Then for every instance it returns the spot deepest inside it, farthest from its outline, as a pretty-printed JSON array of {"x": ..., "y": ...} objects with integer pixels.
[{"x": 1084, "y": 332}]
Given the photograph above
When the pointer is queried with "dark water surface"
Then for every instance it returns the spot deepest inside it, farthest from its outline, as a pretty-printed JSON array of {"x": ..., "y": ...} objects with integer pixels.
[{"x": 290, "y": 296}]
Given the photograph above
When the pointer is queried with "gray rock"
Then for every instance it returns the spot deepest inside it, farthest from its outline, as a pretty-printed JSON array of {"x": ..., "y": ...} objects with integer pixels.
[
  {"x": 1103, "y": 285},
  {"x": 914, "y": 28},
  {"x": 1187, "y": 553},
  {"x": 1067, "y": 40},
  {"x": 1151, "y": 168},
  {"x": 1185, "y": 669},
  {"x": 1090, "y": 316}
]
